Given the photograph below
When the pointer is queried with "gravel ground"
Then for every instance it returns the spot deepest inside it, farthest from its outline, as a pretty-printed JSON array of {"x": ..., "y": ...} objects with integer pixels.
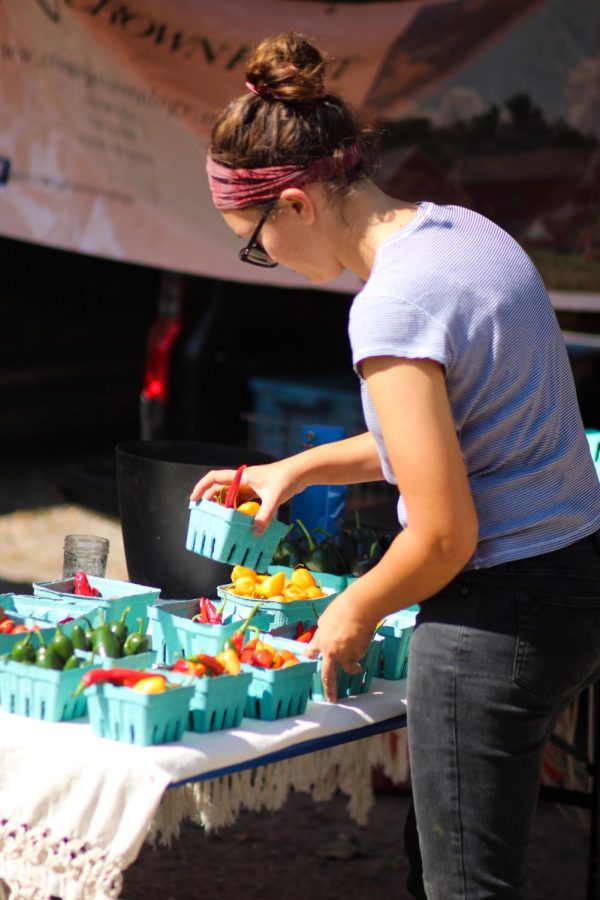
[{"x": 307, "y": 849}]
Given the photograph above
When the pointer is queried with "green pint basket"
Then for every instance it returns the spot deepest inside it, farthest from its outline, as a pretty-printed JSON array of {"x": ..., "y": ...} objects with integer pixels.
[
  {"x": 122, "y": 714},
  {"x": 225, "y": 535},
  {"x": 29, "y": 690},
  {"x": 279, "y": 693},
  {"x": 217, "y": 703}
]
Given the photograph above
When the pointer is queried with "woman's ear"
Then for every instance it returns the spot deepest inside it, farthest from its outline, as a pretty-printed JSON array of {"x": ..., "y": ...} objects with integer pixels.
[{"x": 301, "y": 203}]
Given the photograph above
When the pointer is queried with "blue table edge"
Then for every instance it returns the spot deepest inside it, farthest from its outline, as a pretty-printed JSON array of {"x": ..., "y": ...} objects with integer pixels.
[{"x": 310, "y": 746}]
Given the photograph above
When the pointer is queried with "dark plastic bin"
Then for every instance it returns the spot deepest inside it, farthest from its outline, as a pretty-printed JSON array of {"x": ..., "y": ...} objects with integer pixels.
[{"x": 154, "y": 482}]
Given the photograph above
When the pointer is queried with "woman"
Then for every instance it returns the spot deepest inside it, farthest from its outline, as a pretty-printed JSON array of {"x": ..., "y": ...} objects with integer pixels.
[{"x": 471, "y": 410}]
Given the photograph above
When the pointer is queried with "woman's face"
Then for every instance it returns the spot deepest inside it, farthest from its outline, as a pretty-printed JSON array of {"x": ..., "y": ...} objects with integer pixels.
[{"x": 291, "y": 238}]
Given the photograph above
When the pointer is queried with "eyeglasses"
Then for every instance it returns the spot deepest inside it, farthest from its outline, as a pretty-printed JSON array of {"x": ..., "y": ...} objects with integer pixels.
[{"x": 254, "y": 252}]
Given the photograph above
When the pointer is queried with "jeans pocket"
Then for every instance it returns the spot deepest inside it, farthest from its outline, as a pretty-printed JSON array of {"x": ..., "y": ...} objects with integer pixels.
[{"x": 558, "y": 644}]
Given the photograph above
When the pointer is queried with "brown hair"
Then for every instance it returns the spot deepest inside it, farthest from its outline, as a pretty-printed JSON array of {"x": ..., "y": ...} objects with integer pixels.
[{"x": 290, "y": 120}]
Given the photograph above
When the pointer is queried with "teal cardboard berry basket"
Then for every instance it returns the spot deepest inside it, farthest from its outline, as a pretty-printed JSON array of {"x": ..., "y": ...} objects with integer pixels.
[
  {"x": 279, "y": 693},
  {"x": 323, "y": 579},
  {"x": 137, "y": 661},
  {"x": 29, "y": 690},
  {"x": 115, "y": 597},
  {"x": 217, "y": 702},
  {"x": 396, "y": 633},
  {"x": 122, "y": 714},
  {"x": 275, "y": 612},
  {"x": 347, "y": 685},
  {"x": 30, "y": 615},
  {"x": 175, "y": 635},
  {"x": 225, "y": 535}
]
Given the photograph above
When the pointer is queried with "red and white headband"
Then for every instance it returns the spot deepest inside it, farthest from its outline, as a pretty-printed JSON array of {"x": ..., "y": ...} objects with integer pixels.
[{"x": 237, "y": 188}]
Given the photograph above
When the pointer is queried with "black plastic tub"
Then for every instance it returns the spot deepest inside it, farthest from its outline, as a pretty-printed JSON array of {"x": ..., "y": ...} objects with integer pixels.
[{"x": 154, "y": 482}]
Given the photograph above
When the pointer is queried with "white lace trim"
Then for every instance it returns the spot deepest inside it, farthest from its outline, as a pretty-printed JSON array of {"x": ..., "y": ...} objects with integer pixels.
[{"x": 36, "y": 864}]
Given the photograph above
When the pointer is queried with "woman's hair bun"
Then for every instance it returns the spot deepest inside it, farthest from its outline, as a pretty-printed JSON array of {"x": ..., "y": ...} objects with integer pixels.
[{"x": 287, "y": 67}]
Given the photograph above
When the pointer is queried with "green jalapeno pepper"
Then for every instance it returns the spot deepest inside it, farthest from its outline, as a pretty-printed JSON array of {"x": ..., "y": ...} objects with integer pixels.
[
  {"x": 137, "y": 642},
  {"x": 46, "y": 656},
  {"x": 119, "y": 628},
  {"x": 79, "y": 638},
  {"x": 23, "y": 651},
  {"x": 62, "y": 644}
]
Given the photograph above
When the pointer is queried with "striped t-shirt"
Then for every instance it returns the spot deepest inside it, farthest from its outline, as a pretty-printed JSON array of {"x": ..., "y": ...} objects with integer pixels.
[{"x": 453, "y": 287}]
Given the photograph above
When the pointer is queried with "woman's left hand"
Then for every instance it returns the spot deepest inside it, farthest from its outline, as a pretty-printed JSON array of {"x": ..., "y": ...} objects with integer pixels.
[{"x": 342, "y": 640}]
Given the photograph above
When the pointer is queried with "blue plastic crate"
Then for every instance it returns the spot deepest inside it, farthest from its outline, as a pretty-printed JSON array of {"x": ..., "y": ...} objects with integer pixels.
[
  {"x": 281, "y": 407},
  {"x": 276, "y": 612},
  {"x": 226, "y": 536},
  {"x": 29, "y": 690},
  {"x": 593, "y": 437},
  {"x": 396, "y": 633},
  {"x": 115, "y": 597},
  {"x": 279, "y": 693},
  {"x": 217, "y": 703},
  {"x": 122, "y": 714}
]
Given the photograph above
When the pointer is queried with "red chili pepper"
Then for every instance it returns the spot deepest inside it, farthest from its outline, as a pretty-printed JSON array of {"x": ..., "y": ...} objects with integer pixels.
[
  {"x": 64, "y": 621},
  {"x": 307, "y": 636},
  {"x": 118, "y": 676},
  {"x": 213, "y": 665},
  {"x": 232, "y": 492},
  {"x": 299, "y": 630},
  {"x": 208, "y": 614},
  {"x": 82, "y": 587}
]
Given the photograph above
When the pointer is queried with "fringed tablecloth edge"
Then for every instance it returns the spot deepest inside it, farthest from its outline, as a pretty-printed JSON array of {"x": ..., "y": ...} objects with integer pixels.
[
  {"x": 37, "y": 865},
  {"x": 216, "y": 803}
]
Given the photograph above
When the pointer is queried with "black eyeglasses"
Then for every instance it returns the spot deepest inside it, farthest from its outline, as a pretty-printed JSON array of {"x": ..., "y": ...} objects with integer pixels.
[{"x": 254, "y": 252}]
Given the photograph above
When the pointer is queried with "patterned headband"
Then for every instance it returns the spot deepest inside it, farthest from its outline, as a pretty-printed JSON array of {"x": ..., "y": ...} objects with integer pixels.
[{"x": 237, "y": 188}]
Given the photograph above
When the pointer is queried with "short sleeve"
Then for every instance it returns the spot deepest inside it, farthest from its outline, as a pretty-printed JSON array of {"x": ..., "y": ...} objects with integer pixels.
[{"x": 389, "y": 326}]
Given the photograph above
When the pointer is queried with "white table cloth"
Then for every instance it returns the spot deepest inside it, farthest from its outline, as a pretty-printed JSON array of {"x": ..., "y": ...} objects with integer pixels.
[{"x": 75, "y": 809}]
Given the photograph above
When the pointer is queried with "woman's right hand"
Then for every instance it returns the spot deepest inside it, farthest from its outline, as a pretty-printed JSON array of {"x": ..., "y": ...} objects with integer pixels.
[{"x": 272, "y": 483}]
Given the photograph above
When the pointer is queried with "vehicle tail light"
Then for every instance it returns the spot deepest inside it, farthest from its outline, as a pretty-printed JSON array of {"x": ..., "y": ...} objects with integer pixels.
[{"x": 161, "y": 338}]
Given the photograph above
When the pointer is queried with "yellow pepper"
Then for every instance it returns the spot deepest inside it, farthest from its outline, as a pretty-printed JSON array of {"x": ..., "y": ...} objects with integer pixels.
[
  {"x": 313, "y": 593},
  {"x": 230, "y": 661},
  {"x": 154, "y": 684},
  {"x": 249, "y": 508},
  {"x": 294, "y": 592},
  {"x": 242, "y": 572},
  {"x": 271, "y": 586},
  {"x": 303, "y": 577},
  {"x": 244, "y": 587}
]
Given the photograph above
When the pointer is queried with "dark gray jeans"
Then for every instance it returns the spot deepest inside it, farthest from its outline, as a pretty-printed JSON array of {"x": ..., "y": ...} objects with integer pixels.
[{"x": 494, "y": 658}]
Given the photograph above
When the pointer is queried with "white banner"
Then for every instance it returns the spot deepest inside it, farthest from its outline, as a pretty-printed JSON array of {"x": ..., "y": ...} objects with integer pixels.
[{"x": 106, "y": 105}]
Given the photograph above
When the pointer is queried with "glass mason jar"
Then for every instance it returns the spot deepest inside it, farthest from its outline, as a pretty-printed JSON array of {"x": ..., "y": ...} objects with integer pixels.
[{"x": 85, "y": 553}]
